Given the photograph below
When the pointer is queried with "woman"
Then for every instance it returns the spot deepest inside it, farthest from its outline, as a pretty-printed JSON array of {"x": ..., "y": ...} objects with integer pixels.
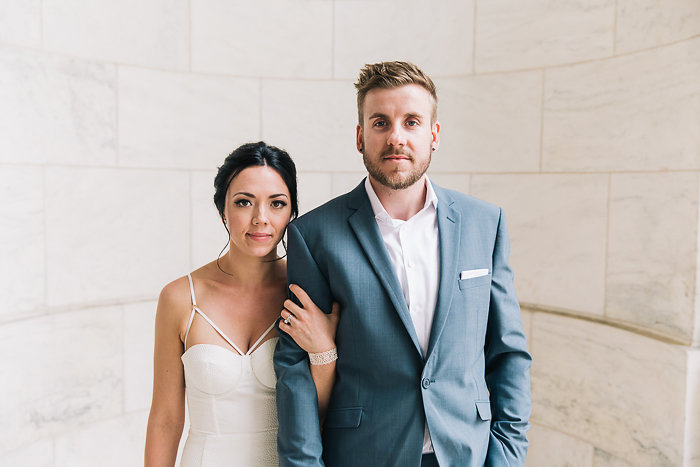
[{"x": 215, "y": 328}]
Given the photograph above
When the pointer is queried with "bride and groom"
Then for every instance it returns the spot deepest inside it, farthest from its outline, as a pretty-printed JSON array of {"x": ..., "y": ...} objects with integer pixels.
[{"x": 421, "y": 357}]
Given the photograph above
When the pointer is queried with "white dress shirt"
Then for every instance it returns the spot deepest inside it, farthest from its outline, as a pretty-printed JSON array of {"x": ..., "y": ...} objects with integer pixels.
[{"x": 413, "y": 248}]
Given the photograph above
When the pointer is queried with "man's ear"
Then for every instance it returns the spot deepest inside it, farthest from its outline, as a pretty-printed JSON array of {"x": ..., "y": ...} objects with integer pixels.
[
  {"x": 435, "y": 131},
  {"x": 359, "y": 139}
]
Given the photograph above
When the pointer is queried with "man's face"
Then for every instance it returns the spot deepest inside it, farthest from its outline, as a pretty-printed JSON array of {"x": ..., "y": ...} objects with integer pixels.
[{"x": 397, "y": 136}]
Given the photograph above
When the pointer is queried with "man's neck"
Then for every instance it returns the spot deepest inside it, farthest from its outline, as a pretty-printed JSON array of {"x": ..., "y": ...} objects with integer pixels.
[{"x": 401, "y": 204}]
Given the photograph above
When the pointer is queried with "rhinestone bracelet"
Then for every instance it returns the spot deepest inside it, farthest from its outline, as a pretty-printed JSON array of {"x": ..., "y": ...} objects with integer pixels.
[{"x": 323, "y": 358}]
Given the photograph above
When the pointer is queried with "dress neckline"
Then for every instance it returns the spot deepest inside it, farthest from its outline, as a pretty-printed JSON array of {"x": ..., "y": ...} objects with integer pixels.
[{"x": 195, "y": 310}]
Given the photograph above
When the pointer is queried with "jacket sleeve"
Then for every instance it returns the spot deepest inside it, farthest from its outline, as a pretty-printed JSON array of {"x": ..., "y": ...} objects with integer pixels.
[
  {"x": 507, "y": 364},
  {"x": 299, "y": 435}
]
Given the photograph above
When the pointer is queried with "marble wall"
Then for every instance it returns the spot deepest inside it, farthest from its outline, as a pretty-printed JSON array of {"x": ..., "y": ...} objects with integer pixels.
[{"x": 580, "y": 117}]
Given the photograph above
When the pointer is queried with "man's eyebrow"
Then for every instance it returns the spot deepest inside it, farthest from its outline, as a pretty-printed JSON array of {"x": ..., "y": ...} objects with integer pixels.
[
  {"x": 408, "y": 115},
  {"x": 414, "y": 115},
  {"x": 377, "y": 115}
]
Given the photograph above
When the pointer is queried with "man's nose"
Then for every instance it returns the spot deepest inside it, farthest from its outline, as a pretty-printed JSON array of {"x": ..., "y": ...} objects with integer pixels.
[{"x": 396, "y": 137}]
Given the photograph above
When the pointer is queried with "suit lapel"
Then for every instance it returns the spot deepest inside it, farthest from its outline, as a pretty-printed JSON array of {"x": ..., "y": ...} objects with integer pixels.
[
  {"x": 367, "y": 232},
  {"x": 449, "y": 227}
]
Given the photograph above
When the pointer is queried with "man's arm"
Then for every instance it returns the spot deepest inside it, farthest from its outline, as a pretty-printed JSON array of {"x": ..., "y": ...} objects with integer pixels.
[
  {"x": 299, "y": 435},
  {"x": 507, "y": 364}
]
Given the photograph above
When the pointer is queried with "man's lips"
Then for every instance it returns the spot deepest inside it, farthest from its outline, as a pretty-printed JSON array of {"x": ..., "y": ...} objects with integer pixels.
[{"x": 397, "y": 157}]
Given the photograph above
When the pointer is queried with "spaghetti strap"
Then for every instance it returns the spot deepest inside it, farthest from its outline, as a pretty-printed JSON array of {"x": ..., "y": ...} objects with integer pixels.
[
  {"x": 254, "y": 346},
  {"x": 216, "y": 328},
  {"x": 189, "y": 325},
  {"x": 194, "y": 301}
]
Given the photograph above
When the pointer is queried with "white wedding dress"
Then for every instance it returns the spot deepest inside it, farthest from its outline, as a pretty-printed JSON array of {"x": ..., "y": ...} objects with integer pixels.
[{"x": 231, "y": 399}]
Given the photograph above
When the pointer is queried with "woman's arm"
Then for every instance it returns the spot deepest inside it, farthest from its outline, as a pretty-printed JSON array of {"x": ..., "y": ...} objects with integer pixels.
[
  {"x": 314, "y": 331},
  {"x": 167, "y": 416}
]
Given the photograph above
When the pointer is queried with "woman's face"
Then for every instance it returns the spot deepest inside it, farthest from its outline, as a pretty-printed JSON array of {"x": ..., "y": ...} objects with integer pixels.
[{"x": 257, "y": 211}]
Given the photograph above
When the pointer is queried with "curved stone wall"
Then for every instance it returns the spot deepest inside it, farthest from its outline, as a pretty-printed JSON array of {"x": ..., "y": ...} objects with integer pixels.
[{"x": 580, "y": 117}]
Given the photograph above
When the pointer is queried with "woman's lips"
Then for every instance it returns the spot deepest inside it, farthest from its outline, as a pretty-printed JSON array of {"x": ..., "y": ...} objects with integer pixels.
[{"x": 259, "y": 237}]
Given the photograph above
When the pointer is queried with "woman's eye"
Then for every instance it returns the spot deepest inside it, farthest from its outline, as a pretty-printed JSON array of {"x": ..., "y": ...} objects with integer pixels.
[
  {"x": 242, "y": 202},
  {"x": 278, "y": 204}
]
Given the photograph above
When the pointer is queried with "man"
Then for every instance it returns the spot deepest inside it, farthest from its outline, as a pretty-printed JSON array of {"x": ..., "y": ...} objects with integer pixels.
[{"x": 432, "y": 367}]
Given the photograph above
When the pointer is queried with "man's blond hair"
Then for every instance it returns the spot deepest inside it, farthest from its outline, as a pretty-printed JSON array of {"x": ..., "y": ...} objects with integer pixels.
[{"x": 388, "y": 75}]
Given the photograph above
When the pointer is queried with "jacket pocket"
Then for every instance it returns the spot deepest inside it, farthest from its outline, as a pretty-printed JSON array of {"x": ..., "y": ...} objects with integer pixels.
[
  {"x": 483, "y": 408},
  {"x": 474, "y": 282},
  {"x": 348, "y": 417}
]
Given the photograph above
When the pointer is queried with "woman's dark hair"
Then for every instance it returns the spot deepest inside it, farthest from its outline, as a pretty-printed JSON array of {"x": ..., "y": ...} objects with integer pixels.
[{"x": 256, "y": 155}]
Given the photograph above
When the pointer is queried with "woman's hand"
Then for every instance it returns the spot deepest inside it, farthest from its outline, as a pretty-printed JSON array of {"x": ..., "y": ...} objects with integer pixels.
[{"x": 311, "y": 328}]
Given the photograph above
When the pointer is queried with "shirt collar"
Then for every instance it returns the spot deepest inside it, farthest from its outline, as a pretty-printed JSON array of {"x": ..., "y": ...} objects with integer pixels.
[{"x": 379, "y": 211}]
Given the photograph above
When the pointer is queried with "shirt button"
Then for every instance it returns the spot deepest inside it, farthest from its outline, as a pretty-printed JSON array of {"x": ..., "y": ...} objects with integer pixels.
[{"x": 425, "y": 383}]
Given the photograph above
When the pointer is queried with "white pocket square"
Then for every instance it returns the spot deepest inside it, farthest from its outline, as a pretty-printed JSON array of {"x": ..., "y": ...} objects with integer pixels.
[{"x": 472, "y": 273}]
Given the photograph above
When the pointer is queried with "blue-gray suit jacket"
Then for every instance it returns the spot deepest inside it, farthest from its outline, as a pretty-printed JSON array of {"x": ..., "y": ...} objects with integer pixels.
[{"x": 472, "y": 387}]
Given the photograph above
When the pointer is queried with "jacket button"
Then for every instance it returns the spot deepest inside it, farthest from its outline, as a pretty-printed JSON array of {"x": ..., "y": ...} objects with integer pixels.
[{"x": 425, "y": 383}]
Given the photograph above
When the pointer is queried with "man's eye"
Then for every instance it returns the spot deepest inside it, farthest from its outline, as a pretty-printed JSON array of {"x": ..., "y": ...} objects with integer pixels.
[
  {"x": 242, "y": 202},
  {"x": 380, "y": 123},
  {"x": 412, "y": 123}
]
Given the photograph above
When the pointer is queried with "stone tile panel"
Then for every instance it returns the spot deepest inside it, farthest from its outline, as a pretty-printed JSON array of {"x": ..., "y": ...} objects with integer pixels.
[
  {"x": 652, "y": 251},
  {"x": 272, "y": 39},
  {"x": 512, "y": 35},
  {"x": 557, "y": 229},
  {"x": 635, "y": 112},
  {"x": 153, "y": 33},
  {"x": 61, "y": 110},
  {"x": 176, "y": 120},
  {"x": 368, "y": 32},
  {"x": 114, "y": 234},
  {"x": 622, "y": 392},
  {"x": 490, "y": 123}
]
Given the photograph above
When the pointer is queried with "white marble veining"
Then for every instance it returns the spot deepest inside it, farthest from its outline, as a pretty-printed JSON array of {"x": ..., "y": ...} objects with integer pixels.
[
  {"x": 22, "y": 250},
  {"x": 314, "y": 190},
  {"x": 605, "y": 459},
  {"x": 652, "y": 251},
  {"x": 490, "y": 123},
  {"x": 208, "y": 233},
  {"x": 512, "y": 35},
  {"x": 184, "y": 120},
  {"x": 314, "y": 121},
  {"x": 642, "y": 24},
  {"x": 114, "y": 234},
  {"x": 153, "y": 33},
  {"x": 115, "y": 442},
  {"x": 367, "y": 31},
  {"x": 274, "y": 38},
  {"x": 57, "y": 109},
  {"x": 139, "y": 335},
  {"x": 20, "y": 22},
  {"x": 622, "y": 392},
  {"x": 59, "y": 371},
  {"x": 633, "y": 112},
  {"x": 557, "y": 231},
  {"x": 551, "y": 448}
]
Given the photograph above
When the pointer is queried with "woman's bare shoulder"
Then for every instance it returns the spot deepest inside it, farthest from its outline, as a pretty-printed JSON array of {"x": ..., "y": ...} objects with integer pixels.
[{"x": 174, "y": 304}]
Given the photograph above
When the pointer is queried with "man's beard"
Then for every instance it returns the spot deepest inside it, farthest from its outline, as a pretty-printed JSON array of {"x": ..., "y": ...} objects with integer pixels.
[{"x": 395, "y": 180}]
